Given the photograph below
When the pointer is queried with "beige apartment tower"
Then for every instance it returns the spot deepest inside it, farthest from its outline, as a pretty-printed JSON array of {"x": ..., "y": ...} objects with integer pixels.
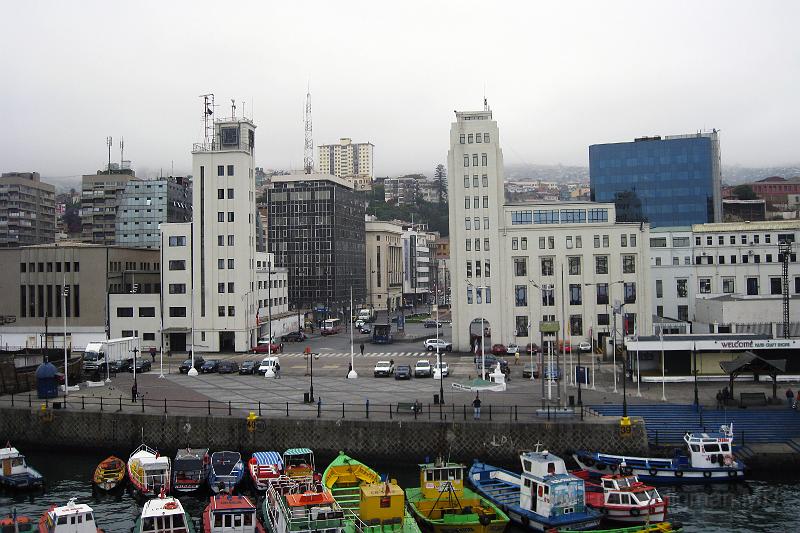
[
  {"x": 348, "y": 160},
  {"x": 27, "y": 210}
]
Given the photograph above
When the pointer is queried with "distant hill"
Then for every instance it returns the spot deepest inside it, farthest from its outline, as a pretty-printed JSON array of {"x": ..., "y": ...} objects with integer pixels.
[
  {"x": 734, "y": 175},
  {"x": 560, "y": 173}
]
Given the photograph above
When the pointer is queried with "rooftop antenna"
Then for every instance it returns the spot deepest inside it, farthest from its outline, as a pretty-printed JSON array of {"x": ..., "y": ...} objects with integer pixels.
[
  {"x": 109, "y": 142},
  {"x": 233, "y": 108},
  {"x": 208, "y": 121},
  {"x": 121, "y": 151},
  {"x": 308, "y": 156}
]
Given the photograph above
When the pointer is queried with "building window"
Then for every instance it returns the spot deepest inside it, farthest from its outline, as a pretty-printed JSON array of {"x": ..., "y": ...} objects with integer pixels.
[
  {"x": 220, "y": 216},
  {"x": 485, "y": 180},
  {"x": 485, "y": 202},
  {"x": 477, "y": 245},
  {"x": 775, "y": 286},
  {"x": 177, "y": 240},
  {"x": 488, "y": 295},
  {"x": 659, "y": 288},
  {"x": 469, "y": 138},
  {"x": 547, "y": 266},
  {"x": 220, "y": 310},
  {"x": 22, "y": 267},
  {"x": 220, "y": 240},
  {"x": 597, "y": 241},
  {"x": 230, "y": 170},
  {"x": 177, "y": 264},
  {"x": 520, "y": 266},
  {"x": 230, "y": 240},
  {"x": 752, "y": 286},
  {"x": 523, "y": 243},
  {"x": 231, "y": 310},
  {"x": 575, "y": 296},
  {"x": 469, "y": 294},
  {"x": 220, "y": 170},
  {"x": 705, "y": 285},
  {"x": 658, "y": 261},
  {"x": 477, "y": 269},
  {"x": 147, "y": 311},
  {"x": 220, "y": 194},
  {"x": 628, "y": 264},
  {"x": 466, "y": 181},
  {"x": 476, "y": 202},
  {"x": 486, "y": 270},
  {"x": 474, "y": 160},
  {"x": 177, "y": 288},
  {"x": 124, "y": 311},
  {"x": 605, "y": 241},
  {"x": 461, "y": 138},
  {"x": 468, "y": 223},
  {"x": 469, "y": 269},
  {"x": 769, "y": 258},
  {"x": 541, "y": 243},
  {"x": 514, "y": 243},
  {"x": 484, "y": 160},
  {"x": 728, "y": 285},
  {"x": 485, "y": 245},
  {"x": 469, "y": 245},
  {"x": 574, "y": 266},
  {"x": 548, "y": 296},
  {"x": 601, "y": 264},
  {"x": 603, "y": 319},
  {"x": 466, "y": 160},
  {"x": 683, "y": 313},
  {"x": 602, "y": 294},
  {"x": 466, "y": 202},
  {"x": 486, "y": 137},
  {"x": 521, "y": 326},
  {"x": 230, "y": 194},
  {"x": 630, "y": 293},
  {"x": 220, "y": 288},
  {"x": 520, "y": 295},
  {"x": 230, "y": 264},
  {"x": 220, "y": 264},
  {"x": 682, "y": 287},
  {"x": 176, "y": 312},
  {"x": 478, "y": 295},
  {"x": 485, "y": 222},
  {"x": 576, "y": 324},
  {"x": 660, "y": 310},
  {"x": 551, "y": 242},
  {"x": 230, "y": 216}
]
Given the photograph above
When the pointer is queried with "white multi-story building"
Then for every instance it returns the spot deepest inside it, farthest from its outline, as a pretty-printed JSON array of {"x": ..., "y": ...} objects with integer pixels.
[
  {"x": 418, "y": 248},
  {"x": 384, "y": 253},
  {"x": 348, "y": 160},
  {"x": 736, "y": 263},
  {"x": 214, "y": 282},
  {"x": 514, "y": 265}
]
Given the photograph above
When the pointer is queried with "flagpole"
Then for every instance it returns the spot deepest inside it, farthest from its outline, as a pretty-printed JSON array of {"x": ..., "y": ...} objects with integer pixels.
[
  {"x": 663, "y": 378},
  {"x": 352, "y": 374}
]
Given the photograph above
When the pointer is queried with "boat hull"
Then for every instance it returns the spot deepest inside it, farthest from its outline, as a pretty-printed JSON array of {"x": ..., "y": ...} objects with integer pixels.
[
  {"x": 109, "y": 474},
  {"x": 22, "y": 482},
  {"x": 458, "y": 523},
  {"x": 659, "y": 471}
]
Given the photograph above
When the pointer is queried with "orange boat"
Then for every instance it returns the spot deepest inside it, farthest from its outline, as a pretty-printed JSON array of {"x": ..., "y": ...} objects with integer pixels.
[
  {"x": 109, "y": 474},
  {"x": 18, "y": 524}
]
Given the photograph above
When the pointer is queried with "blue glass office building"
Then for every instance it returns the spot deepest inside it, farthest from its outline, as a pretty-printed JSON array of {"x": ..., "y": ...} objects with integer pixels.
[{"x": 669, "y": 181}]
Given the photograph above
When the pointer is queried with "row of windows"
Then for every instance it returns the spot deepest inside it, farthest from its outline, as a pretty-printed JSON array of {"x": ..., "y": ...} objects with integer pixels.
[
  {"x": 221, "y": 216},
  {"x": 221, "y": 170},
  {"x": 575, "y": 294},
  {"x": 475, "y": 223},
  {"x": 727, "y": 286},
  {"x": 556, "y": 216},
  {"x": 484, "y": 160},
  {"x": 221, "y": 194},
  {"x": 683, "y": 242},
  {"x": 482, "y": 295},
  {"x": 221, "y": 240},
  {"x": 745, "y": 259},
  {"x": 476, "y": 204},
  {"x": 487, "y": 273},
  {"x": 124, "y": 312},
  {"x": 484, "y": 181},
  {"x": 478, "y": 245},
  {"x": 40, "y": 267},
  {"x": 574, "y": 265},
  {"x": 46, "y": 300},
  {"x": 469, "y": 138},
  {"x": 576, "y": 323},
  {"x": 177, "y": 240},
  {"x": 276, "y": 284}
]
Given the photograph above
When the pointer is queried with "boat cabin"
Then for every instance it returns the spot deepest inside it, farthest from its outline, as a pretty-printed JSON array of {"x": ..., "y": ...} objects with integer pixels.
[
  {"x": 231, "y": 514},
  {"x": 622, "y": 489},
  {"x": 190, "y": 469},
  {"x": 164, "y": 515},
  {"x": 311, "y": 511},
  {"x": 438, "y": 477},
  {"x": 153, "y": 472},
  {"x": 711, "y": 450},
  {"x": 298, "y": 462},
  {"x": 381, "y": 503},
  {"x": 547, "y": 488},
  {"x": 265, "y": 466},
  {"x": 71, "y": 518}
]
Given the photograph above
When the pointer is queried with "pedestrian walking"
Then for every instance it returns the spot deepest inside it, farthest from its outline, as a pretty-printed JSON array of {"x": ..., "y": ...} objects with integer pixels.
[
  {"x": 362, "y": 348},
  {"x": 516, "y": 358},
  {"x": 278, "y": 370},
  {"x": 153, "y": 353},
  {"x": 789, "y": 397},
  {"x": 720, "y": 404},
  {"x": 476, "y": 406},
  {"x": 134, "y": 393}
]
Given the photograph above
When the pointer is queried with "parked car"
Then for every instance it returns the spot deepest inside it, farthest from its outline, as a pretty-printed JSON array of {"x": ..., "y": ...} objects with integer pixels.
[
  {"x": 403, "y": 372},
  {"x": 529, "y": 369},
  {"x": 431, "y": 323},
  {"x": 359, "y": 322},
  {"x": 490, "y": 361},
  {"x": 247, "y": 367},
  {"x": 210, "y": 366},
  {"x": 499, "y": 349},
  {"x": 585, "y": 346},
  {"x": 365, "y": 329},
  {"x": 294, "y": 336},
  {"x": 186, "y": 365},
  {"x": 267, "y": 363},
  {"x": 553, "y": 372},
  {"x": 445, "y": 368},
  {"x": 383, "y": 368},
  {"x": 443, "y": 345},
  {"x": 228, "y": 367},
  {"x": 142, "y": 365},
  {"x": 123, "y": 365},
  {"x": 512, "y": 349},
  {"x": 264, "y": 346},
  {"x": 532, "y": 347},
  {"x": 423, "y": 369}
]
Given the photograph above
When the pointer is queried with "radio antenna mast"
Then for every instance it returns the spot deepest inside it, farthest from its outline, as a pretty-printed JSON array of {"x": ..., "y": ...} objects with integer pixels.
[
  {"x": 109, "y": 142},
  {"x": 121, "y": 151},
  {"x": 208, "y": 120},
  {"x": 308, "y": 156}
]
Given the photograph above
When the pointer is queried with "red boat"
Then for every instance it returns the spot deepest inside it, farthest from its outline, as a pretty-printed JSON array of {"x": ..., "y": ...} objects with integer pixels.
[
  {"x": 623, "y": 498},
  {"x": 226, "y": 511},
  {"x": 263, "y": 467}
]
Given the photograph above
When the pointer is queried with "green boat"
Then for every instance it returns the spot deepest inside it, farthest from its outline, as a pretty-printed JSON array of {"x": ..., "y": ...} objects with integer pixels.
[
  {"x": 658, "y": 527},
  {"x": 442, "y": 504},
  {"x": 370, "y": 505}
]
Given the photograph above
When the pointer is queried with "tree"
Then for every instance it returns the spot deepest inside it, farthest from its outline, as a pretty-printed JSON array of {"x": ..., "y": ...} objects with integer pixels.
[
  {"x": 440, "y": 175},
  {"x": 744, "y": 192}
]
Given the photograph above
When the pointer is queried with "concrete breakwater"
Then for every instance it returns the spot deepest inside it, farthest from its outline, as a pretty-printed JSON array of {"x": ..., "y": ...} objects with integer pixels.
[{"x": 383, "y": 440}]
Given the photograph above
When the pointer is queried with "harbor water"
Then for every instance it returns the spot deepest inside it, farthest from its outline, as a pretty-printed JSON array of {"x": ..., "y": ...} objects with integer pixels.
[{"x": 757, "y": 505}]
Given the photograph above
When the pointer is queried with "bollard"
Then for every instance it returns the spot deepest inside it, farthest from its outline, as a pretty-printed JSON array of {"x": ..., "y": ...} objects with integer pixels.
[
  {"x": 259, "y": 408},
  {"x": 548, "y": 411},
  {"x": 319, "y": 407},
  {"x": 83, "y": 403},
  {"x": 510, "y": 414},
  {"x": 342, "y": 409},
  {"x": 120, "y": 403},
  {"x": 229, "y": 408},
  {"x": 12, "y": 399},
  {"x": 415, "y": 411},
  {"x": 287, "y": 409},
  {"x": 390, "y": 411},
  {"x": 515, "y": 414},
  {"x": 581, "y": 412},
  {"x": 165, "y": 406},
  {"x": 490, "y": 412},
  {"x": 143, "y": 404},
  {"x": 29, "y": 400},
  {"x": 367, "y": 407},
  {"x": 101, "y": 403},
  {"x": 429, "y": 411},
  {"x": 465, "y": 412},
  {"x": 209, "y": 407}
]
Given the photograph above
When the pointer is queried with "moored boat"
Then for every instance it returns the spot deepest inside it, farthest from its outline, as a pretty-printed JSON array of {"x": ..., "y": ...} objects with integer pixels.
[
  {"x": 370, "y": 504},
  {"x": 190, "y": 469},
  {"x": 709, "y": 459},
  {"x": 658, "y": 527},
  {"x": 623, "y": 498},
  {"x": 109, "y": 474},
  {"x": 163, "y": 514},
  {"x": 17, "y": 524},
  {"x": 288, "y": 508},
  {"x": 299, "y": 463},
  {"x": 226, "y": 513},
  {"x": 15, "y": 473},
  {"x": 148, "y": 471},
  {"x": 442, "y": 504},
  {"x": 226, "y": 472},
  {"x": 264, "y": 466},
  {"x": 71, "y": 518},
  {"x": 544, "y": 496}
]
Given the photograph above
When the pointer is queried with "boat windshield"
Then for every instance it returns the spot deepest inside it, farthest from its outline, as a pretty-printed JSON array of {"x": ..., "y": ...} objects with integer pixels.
[
  {"x": 234, "y": 519},
  {"x": 188, "y": 464}
]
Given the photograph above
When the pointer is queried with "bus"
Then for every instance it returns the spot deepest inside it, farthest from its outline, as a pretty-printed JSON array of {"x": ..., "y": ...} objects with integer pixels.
[
  {"x": 382, "y": 334},
  {"x": 331, "y": 326}
]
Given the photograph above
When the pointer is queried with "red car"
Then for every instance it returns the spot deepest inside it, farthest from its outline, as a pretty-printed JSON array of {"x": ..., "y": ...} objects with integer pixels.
[
  {"x": 265, "y": 347},
  {"x": 499, "y": 349}
]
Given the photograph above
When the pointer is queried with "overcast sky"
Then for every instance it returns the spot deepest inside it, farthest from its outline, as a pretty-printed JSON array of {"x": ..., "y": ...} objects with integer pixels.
[{"x": 559, "y": 76}]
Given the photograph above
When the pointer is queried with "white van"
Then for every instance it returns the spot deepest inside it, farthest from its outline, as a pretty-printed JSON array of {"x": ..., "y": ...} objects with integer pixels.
[{"x": 268, "y": 363}]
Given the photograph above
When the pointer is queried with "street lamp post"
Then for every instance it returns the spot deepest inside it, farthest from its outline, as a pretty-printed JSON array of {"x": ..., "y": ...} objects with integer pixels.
[
  {"x": 312, "y": 356},
  {"x": 694, "y": 357},
  {"x": 352, "y": 374},
  {"x": 66, "y": 359}
]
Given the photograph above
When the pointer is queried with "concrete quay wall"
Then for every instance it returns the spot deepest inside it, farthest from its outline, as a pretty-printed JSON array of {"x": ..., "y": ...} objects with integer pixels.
[{"x": 382, "y": 440}]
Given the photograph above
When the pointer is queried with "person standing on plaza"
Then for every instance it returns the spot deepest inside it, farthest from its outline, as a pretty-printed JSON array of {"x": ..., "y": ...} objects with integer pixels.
[
  {"x": 789, "y": 397},
  {"x": 516, "y": 358},
  {"x": 362, "y": 348},
  {"x": 153, "y": 353},
  {"x": 719, "y": 400},
  {"x": 278, "y": 370},
  {"x": 476, "y": 406}
]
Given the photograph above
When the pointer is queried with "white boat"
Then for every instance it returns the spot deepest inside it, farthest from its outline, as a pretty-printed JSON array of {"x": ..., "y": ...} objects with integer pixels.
[
  {"x": 164, "y": 514},
  {"x": 290, "y": 508},
  {"x": 15, "y": 472},
  {"x": 148, "y": 471},
  {"x": 623, "y": 498},
  {"x": 710, "y": 460},
  {"x": 71, "y": 518}
]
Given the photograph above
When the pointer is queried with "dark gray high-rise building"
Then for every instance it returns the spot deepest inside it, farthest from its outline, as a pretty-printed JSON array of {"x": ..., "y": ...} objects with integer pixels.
[
  {"x": 316, "y": 231},
  {"x": 27, "y": 210}
]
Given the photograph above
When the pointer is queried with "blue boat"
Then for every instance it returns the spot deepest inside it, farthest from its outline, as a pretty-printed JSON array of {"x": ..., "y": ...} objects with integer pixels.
[
  {"x": 544, "y": 497},
  {"x": 15, "y": 472},
  {"x": 710, "y": 460},
  {"x": 227, "y": 470}
]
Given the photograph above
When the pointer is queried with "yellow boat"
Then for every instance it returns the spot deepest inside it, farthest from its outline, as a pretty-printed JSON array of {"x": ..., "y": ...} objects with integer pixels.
[
  {"x": 442, "y": 504},
  {"x": 370, "y": 505},
  {"x": 110, "y": 473}
]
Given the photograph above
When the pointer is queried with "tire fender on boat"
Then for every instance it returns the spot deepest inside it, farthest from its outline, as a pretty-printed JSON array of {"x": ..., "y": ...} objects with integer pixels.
[
  {"x": 524, "y": 520},
  {"x": 588, "y": 461},
  {"x": 732, "y": 473},
  {"x": 485, "y": 520},
  {"x": 635, "y": 511},
  {"x": 706, "y": 474},
  {"x": 653, "y": 472},
  {"x": 600, "y": 466},
  {"x": 679, "y": 473}
]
